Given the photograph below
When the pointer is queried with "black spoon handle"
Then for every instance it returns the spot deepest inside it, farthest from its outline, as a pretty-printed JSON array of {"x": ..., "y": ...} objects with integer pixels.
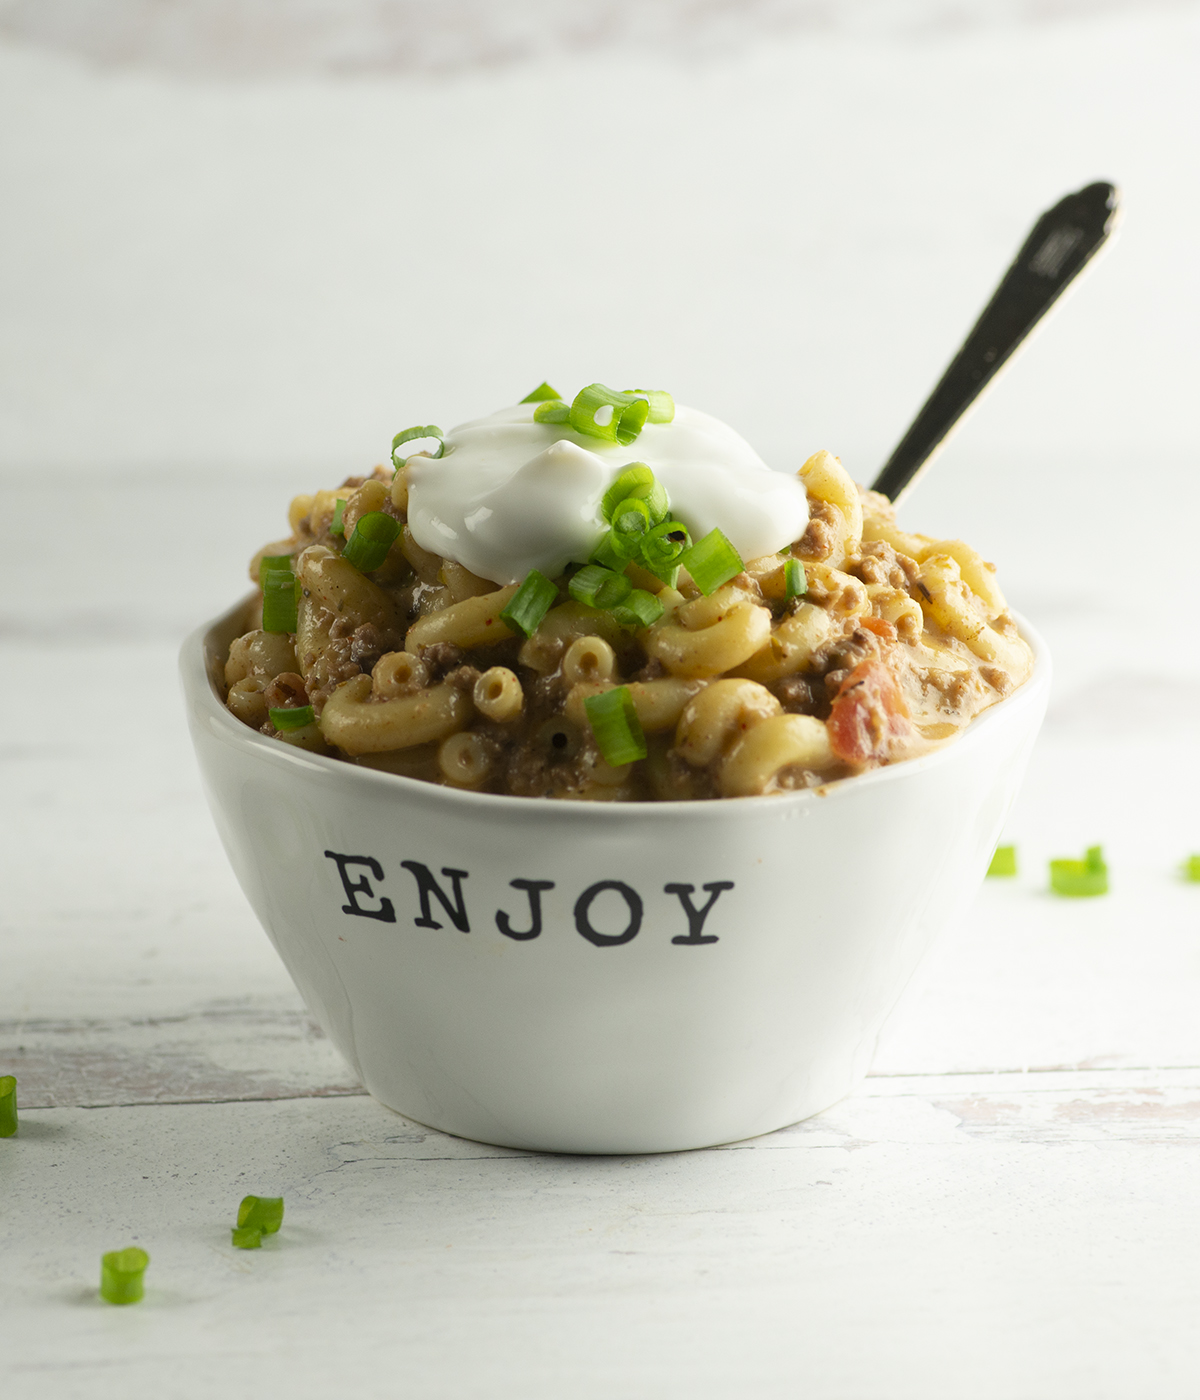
[{"x": 1058, "y": 248}]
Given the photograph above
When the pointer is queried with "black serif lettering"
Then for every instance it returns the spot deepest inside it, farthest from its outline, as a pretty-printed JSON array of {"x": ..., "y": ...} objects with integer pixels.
[
  {"x": 583, "y": 907},
  {"x": 533, "y": 888},
  {"x": 696, "y": 917},
  {"x": 362, "y": 886},
  {"x": 427, "y": 886}
]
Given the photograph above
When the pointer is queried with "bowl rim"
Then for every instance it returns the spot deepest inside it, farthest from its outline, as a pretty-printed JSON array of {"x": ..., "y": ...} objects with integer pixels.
[{"x": 201, "y": 692}]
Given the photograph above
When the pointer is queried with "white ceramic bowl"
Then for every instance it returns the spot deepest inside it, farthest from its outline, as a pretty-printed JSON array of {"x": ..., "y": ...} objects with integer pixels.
[{"x": 610, "y": 1019}]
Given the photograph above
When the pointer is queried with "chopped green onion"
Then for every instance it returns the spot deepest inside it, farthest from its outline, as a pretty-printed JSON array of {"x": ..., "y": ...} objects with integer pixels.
[
  {"x": 1080, "y": 879},
  {"x": 246, "y": 1237},
  {"x": 274, "y": 561},
  {"x": 8, "y": 1105},
  {"x": 711, "y": 562},
  {"x": 415, "y": 435},
  {"x": 599, "y": 587},
  {"x": 552, "y": 411},
  {"x": 666, "y": 573},
  {"x": 281, "y": 594},
  {"x": 335, "y": 525},
  {"x": 664, "y": 544},
  {"x": 639, "y": 482},
  {"x": 795, "y": 584},
  {"x": 529, "y": 604},
  {"x": 640, "y": 609},
  {"x": 1004, "y": 861},
  {"x": 634, "y": 476},
  {"x": 606, "y": 555},
  {"x": 373, "y": 536},
  {"x": 601, "y": 412},
  {"x": 616, "y": 726},
  {"x": 121, "y": 1274},
  {"x": 1191, "y": 871},
  {"x": 286, "y": 720},
  {"x": 662, "y": 405},
  {"x": 541, "y": 394},
  {"x": 263, "y": 1213},
  {"x": 631, "y": 523}
]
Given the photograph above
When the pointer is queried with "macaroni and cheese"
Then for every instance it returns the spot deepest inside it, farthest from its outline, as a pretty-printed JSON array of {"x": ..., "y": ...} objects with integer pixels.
[{"x": 400, "y": 633}]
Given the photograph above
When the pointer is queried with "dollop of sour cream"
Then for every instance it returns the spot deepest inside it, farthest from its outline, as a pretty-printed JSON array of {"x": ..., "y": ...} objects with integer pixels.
[{"x": 510, "y": 495}]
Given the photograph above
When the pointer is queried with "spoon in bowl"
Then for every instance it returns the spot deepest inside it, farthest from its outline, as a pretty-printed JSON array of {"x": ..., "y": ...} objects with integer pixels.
[{"x": 1060, "y": 245}]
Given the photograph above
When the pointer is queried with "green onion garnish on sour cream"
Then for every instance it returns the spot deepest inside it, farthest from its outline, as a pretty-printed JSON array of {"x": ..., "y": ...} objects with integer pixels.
[
  {"x": 534, "y": 486},
  {"x": 552, "y": 411},
  {"x": 616, "y": 727},
  {"x": 636, "y": 482},
  {"x": 416, "y": 435},
  {"x": 662, "y": 405},
  {"x": 542, "y": 394},
  {"x": 604, "y": 413},
  {"x": 631, "y": 524}
]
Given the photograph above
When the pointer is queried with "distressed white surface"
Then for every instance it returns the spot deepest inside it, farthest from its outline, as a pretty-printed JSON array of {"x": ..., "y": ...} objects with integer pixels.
[{"x": 883, "y": 1250}]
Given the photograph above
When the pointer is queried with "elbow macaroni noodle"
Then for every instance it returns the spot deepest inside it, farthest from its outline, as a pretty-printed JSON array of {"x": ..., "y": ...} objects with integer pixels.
[{"x": 898, "y": 642}]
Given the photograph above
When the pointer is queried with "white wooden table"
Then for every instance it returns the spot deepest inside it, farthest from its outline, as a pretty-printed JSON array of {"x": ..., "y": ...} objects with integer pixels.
[{"x": 1006, "y": 1209}]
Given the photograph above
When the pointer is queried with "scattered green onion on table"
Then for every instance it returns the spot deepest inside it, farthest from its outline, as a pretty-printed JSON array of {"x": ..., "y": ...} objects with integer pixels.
[
  {"x": 1080, "y": 879},
  {"x": 1004, "y": 862},
  {"x": 122, "y": 1275},
  {"x": 8, "y": 1106},
  {"x": 257, "y": 1216}
]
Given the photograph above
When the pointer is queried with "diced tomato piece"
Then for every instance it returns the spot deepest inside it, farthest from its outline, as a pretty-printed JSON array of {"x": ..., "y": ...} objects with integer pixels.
[
  {"x": 869, "y": 717},
  {"x": 880, "y": 626}
]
